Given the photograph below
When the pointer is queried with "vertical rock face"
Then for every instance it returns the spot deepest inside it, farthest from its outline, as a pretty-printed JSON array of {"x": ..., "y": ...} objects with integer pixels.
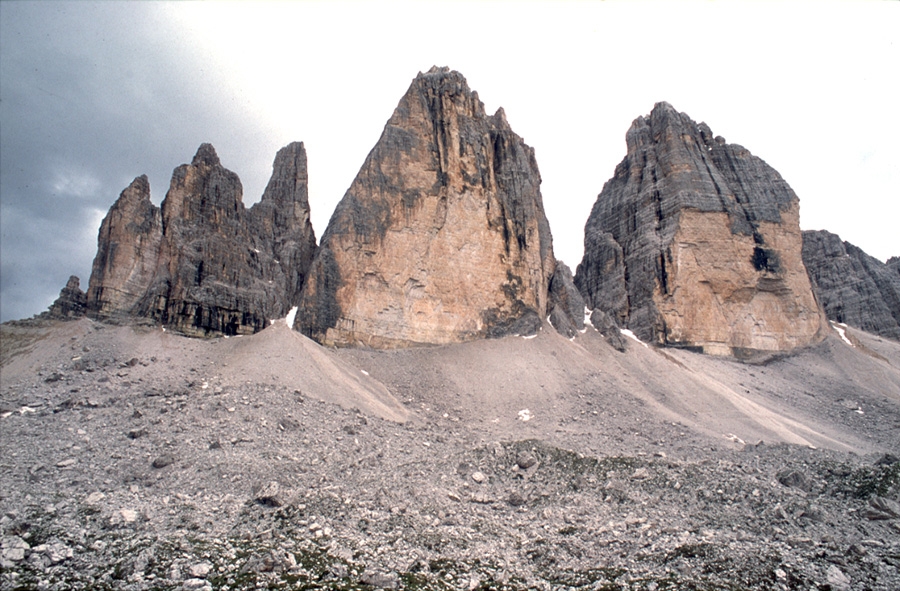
[
  {"x": 441, "y": 237},
  {"x": 128, "y": 250},
  {"x": 71, "y": 302},
  {"x": 853, "y": 287},
  {"x": 695, "y": 242},
  {"x": 201, "y": 263},
  {"x": 283, "y": 215}
]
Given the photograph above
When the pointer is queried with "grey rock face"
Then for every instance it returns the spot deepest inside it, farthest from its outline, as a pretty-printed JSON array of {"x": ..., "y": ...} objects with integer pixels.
[
  {"x": 71, "y": 302},
  {"x": 566, "y": 303},
  {"x": 853, "y": 287},
  {"x": 695, "y": 242},
  {"x": 201, "y": 263}
]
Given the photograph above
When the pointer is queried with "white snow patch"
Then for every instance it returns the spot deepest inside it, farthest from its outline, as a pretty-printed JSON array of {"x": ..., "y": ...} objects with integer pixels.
[
  {"x": 841, "y": 331},
  {"x": 632, "y": 336},
  {"x": 364, "y": 372},
  {"x": 26, "y": 409},
  {"x": 735, "y": 438},
  {"x": 524, "y": 415},
  {"x": 587, "y": 320},
  {"x": 289, "y": 319},
  {"x": 6, "y": 414},
  {"x": 531, "y": 336}
]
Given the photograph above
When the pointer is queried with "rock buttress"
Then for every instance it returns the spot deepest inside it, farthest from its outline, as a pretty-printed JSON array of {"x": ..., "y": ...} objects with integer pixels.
[
  {"x": 441, "y": 237},
  {"x": 696, "y": 243},
  {"x": 128, "y": 249},
  {"x": 853, "y": 287}
]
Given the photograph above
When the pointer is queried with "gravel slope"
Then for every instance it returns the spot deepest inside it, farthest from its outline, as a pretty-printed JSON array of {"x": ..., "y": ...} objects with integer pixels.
[{"x": 138, "y": 459}]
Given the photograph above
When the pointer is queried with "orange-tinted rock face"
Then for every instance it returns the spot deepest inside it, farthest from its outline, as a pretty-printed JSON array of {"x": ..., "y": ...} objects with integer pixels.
[
  {"x": 697, "y": 243},
  {"x": 441, "y": 237}
]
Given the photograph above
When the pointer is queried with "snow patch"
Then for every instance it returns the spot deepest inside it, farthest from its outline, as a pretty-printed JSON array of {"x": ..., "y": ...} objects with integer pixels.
[
  {"x": 587, "y": 320},
  {"x": 531, "y": 336},
  {"x": 524, "y": 415},
  {"x": 364, "y": 372},
  {"x": 632, "y": 336},
  {"x": 289, "y": 319},
  {"x": 840, "y": 330}
]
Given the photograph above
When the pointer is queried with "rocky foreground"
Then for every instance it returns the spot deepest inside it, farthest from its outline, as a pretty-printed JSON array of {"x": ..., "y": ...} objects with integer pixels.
[{"x": 137, "y": 459}]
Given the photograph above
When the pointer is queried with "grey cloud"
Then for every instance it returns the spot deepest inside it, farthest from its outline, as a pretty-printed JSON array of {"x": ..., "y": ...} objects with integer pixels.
[{"x": 92, "y": 95}]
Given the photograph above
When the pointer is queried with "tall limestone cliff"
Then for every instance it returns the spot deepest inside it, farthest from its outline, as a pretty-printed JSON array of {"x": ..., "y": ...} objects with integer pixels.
[
  {"x": 441, "y": 237},
  {"x": 854, "y": 288},
  {"x": 696, "y": 243},
  {"x": 201, "y": 263}
]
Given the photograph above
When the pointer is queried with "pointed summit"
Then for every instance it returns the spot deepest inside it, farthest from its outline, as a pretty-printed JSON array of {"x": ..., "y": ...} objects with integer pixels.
[
  {"x": 441, "y": 237},
  {"x": 206, "y": 154}
]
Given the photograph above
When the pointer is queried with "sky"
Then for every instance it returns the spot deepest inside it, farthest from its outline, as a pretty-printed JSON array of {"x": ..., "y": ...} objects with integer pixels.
[{"x": 94, "y": 94}]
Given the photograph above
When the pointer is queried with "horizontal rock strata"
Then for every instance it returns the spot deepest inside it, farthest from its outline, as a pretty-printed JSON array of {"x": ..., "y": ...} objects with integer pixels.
[
  {"x": 854, "y": 288},
  {"x": 696, "y": 243}
]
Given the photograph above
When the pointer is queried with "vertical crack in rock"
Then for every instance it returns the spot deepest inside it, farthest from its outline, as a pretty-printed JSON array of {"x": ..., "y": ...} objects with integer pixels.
[
  {"x": 696, "y": 243},
  {"x": 441, "y": 237}
]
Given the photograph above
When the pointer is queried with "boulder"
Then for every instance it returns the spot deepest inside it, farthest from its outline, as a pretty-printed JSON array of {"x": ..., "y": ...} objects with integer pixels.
[
  {"x": 441, "y": 237},
  {"x": 696, "y": 243}
]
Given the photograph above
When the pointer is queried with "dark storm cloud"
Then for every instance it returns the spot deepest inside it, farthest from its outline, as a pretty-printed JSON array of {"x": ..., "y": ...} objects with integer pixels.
[{"x": 92, "y": 95}]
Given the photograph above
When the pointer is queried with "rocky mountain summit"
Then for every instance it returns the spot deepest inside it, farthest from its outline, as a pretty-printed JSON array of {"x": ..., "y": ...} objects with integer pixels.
[
  {"x": 441, "y": 237},
  {"x": 695, "y": 242},
  {"x": 853, "y": 287},
  {"x": 201, "y": 263}
]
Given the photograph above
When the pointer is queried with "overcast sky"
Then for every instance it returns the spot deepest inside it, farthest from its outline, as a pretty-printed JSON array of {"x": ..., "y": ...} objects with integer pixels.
[{"x": 95, "y": 94}]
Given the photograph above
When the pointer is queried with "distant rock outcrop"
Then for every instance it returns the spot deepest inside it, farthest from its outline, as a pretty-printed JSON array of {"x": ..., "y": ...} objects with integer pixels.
[
  {"x": 441, "y": 237},
  {"x": 201, "y": 263},
  {"x": 853, "y": 287},
  {"x": 71, "y": 302},
  {"x": 695, "y": 242}
]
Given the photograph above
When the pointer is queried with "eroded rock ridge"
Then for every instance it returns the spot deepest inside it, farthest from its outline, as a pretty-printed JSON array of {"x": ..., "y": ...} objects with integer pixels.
[
  {"x": 441, "y": 237},
  {"x": 695, "y": 242},
  {"x": 853, "y": 287},
  {"x": 201, "y": 263}
]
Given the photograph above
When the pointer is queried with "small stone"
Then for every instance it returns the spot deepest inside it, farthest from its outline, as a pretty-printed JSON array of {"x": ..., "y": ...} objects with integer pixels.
[
  {"x": 196, "y": 585},
  {"x": 525, "y": 460},
  {"x": 479, "y": 477},
  {"x": 640, "y": 474},
  {"x": 94, "y": 498},
  {"x": 128, "y": 515},
  {"x": 269, "y": 494},
  {"x": 380, "y": 580},
  {"x": 837, "y": 579},
  {"x": 516, "y": 499},
  {"x": 200, "y": 570},
  {"x": 68, "y": 463},
  {"x": 795, "y": 479},
  {"x": 55, "y": 552},
  {"x": 136, "y": 433},
  {"x": 12, "y": 549},
  {"x": 881, "y": 508},
  {"x": 163, "y": 461}
]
